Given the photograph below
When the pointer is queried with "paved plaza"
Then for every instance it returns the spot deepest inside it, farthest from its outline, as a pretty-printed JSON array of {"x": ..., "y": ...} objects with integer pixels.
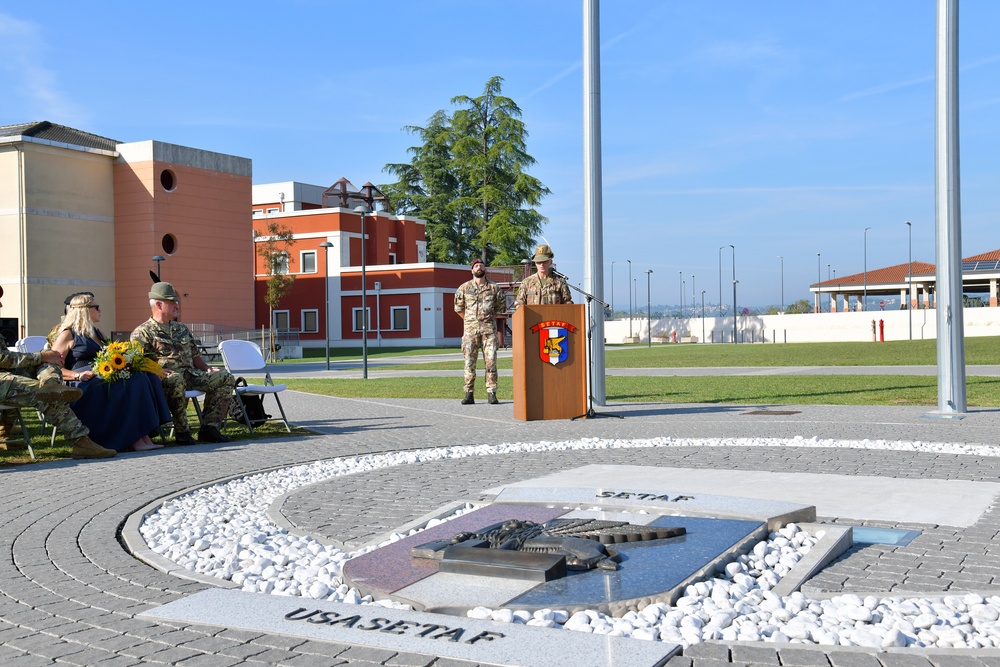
[{"x": 71, "y": 594}]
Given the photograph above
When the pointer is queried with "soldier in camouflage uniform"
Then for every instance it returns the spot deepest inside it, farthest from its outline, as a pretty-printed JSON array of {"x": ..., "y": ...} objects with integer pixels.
[
  {"x": 542, "y": 288},
  {"x": 171, "y": 344},
  {"x": 478, "y": 302},
  {"x": 35, "y": 381}
]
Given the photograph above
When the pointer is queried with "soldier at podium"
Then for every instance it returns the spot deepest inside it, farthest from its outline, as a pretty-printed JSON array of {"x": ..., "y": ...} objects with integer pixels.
[
  {"x": 478, "y": 302},
  {"x": 542, "y": 288}
]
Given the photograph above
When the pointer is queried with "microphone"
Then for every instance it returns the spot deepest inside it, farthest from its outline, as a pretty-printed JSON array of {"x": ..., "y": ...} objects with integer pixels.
[{"x": 557, "y": 274}]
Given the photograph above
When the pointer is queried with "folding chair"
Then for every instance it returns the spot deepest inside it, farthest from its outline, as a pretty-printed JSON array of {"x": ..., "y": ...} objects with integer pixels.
[
  {"x": 25, "y": 436},
  {"x": 193, "y": 395},
  {"x": 243, "y": 356},
  {"x": 31, "y": 344}
]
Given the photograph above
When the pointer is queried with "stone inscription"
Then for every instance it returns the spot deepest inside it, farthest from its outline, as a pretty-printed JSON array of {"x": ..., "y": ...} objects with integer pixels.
[
  {"x": 631, "y": 495},
  {"x": 395, "y": 627}
]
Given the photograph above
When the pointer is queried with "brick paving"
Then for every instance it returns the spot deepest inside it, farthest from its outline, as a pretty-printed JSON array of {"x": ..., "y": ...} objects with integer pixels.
[{"x": 71, "y": 594}]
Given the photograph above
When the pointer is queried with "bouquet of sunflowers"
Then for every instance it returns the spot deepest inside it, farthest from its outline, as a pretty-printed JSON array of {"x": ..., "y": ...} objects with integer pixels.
[{"x": 120, "y": 360}]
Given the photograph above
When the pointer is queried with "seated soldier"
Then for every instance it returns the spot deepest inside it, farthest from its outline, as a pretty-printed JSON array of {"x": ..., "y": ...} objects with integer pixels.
[
  {"x": 34, "y": 381},
  {"x": 171, "y": 344}
]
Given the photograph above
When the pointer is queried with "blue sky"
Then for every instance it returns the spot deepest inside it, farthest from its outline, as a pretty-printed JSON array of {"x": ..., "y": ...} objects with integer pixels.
[{"x": 782, "y": 127}]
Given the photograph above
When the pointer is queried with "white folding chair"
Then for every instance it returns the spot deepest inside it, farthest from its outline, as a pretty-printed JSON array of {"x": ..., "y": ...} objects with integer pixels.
[
  {"x": 32, "y": 344},
  {"x": 243, "y": 356},
  {"x": 193, "y": 395},
  {"x": 25, "y": 436}
]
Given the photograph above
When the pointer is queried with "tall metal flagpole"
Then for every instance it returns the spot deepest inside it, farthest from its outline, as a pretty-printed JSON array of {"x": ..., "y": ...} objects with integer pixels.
[
  {"x": 948, "y": 222},
  {"x": 593, "y": 225}
]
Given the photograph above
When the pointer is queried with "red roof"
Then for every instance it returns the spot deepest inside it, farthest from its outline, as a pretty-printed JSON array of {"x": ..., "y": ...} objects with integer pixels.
[{"x": 898, "y": 273}]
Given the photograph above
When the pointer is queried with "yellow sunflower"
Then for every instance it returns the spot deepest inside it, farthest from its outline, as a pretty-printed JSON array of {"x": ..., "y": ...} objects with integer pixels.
[
  {"x": 117, "y": 361},
  {"x": 105, "y": 369}
]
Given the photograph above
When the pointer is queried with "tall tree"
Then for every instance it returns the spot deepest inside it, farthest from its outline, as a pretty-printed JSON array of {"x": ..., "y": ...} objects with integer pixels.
[
  {"x": 468, "y": 179},
  {"x": 273, "y": 249}
]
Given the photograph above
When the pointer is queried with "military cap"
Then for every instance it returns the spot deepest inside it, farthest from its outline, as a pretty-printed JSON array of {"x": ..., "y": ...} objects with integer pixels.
[
  {"x": 543, "y": 253},
  {"x": 163, "y": 292}
]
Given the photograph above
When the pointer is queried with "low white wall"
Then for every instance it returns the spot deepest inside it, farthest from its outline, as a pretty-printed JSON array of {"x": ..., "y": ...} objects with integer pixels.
[{"x": 808, "y": 328}]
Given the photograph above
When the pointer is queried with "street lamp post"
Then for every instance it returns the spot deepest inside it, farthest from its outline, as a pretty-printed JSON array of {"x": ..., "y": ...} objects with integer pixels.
[
  {"x": 629, "y": 297},
  {"x": 649, "y": 330},
  {"x": 703, "y": 316},
  {"x": 362, "y": 211},
  {"x": 909, "y": 277},
  {"x": 158, "y": 259},
  {"x": 680, "y": 277},
  {"x": 819, "y": 290},
  {"x": 734, "y": 292},
  {"x": 612, "y": 290},
  {"x": 720, "y": 282},
  {"x": 864, "y": 299},
  {"x": 326, "y": 245},
  {"x": 782, "y": 282}
]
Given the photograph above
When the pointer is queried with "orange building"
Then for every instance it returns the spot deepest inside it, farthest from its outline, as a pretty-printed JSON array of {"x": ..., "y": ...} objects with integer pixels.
[
  {"x": 80, "y": 212},
  {"x": 409, "y": 300}
]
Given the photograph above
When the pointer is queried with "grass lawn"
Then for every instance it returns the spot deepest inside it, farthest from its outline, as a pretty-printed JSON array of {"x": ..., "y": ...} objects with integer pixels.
[{"x": 978, "y": 351}]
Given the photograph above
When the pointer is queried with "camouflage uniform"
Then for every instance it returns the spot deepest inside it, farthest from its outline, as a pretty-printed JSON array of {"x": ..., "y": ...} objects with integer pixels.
[
  {"x": 481, "y": 305},
  {"x": 21, "y": 375},
  {"x": 536, "y": 291},
  {"x": 174, "y": 348}
]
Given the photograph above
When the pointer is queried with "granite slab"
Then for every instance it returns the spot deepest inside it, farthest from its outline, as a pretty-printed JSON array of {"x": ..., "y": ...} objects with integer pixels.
[{"x": 483, "y": 642}]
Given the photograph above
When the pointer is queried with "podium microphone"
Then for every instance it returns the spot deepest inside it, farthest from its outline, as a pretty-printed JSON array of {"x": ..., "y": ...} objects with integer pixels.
[{"x": 557, "y": 274}]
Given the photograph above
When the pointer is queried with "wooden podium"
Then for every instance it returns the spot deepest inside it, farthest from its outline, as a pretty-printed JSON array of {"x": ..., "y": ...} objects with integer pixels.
[{"x": 550, "y": 362}]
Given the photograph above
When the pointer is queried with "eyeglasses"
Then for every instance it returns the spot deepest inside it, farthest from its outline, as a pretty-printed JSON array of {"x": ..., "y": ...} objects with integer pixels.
[{"x": 95, "y": 307}]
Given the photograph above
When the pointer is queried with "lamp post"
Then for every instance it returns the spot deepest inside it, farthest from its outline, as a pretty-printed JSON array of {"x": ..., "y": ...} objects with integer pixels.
[
  {"x": 819, "y": 290},
  {"x": 703, "y": 316},
  {"x": 649, "y": 331},
  {"x": 864, "y": 299},
  {"x": 629, "y": 297},
  {"x": 612, "y": 290},
  {"x": 161, "y": 258},
  {"x": 734, "y": 292},
  {"x": 720, "y": 282},
  {"x": 680, "y": 277},
  {"x": 909, "y": 277},
  {"x": 326, "y": 245},
  {"x": 362, "y": 211},
  {"x": 780, "y": 257}
]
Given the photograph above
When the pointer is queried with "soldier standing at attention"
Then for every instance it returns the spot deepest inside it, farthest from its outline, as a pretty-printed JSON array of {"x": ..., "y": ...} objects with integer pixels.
[
  {"x": 478, "y": 302},
  {"x": 542, "y": 288},
  {"x": 171, "y": 345}
]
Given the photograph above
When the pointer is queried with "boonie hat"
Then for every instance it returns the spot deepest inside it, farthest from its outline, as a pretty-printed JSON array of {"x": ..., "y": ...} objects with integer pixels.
[
  {"x": 163, "y": 292},
  {"x": 543, "y": 253}
]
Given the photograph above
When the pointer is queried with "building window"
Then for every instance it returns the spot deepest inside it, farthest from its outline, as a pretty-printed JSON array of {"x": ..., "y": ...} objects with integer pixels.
[
  {"x": 258, "y": 213},
  {"x": 168, "y": 180},
  {"x": 271, "y": 211},
  {"x": 307, "y": 259},
  {"x": 358, "y": 322},
  {"x": 400, "y": 317},
  {"x": 280, "y": 263},
  {"x": 392, "y": 258},
  {"x": 281, "y": 321},
  {"x": 310, "y": 321}
]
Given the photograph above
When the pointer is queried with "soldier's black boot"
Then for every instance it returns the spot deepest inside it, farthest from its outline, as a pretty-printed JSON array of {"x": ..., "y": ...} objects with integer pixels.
[
  {"x": 469, "y": 398},
  {"x": 491, "y": 397}
]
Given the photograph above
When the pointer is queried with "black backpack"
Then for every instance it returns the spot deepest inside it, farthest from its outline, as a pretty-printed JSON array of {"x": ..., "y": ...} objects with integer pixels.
[{"x": 254, "y": 404}]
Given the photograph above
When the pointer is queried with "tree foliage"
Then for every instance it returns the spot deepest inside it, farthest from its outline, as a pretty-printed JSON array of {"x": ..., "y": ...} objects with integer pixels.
[
  {"x": 273, "y": 249},
  {"x": 468, "y": 180}
]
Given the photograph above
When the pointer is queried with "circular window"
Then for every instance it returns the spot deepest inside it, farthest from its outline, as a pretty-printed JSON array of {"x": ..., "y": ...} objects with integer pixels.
[
  {"x": 169, "y": 244},
  {"x": 167, "y": 180}
]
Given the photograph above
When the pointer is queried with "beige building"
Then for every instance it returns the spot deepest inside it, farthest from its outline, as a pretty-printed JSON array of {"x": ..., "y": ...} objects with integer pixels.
[{"x": 80, "y": 212}]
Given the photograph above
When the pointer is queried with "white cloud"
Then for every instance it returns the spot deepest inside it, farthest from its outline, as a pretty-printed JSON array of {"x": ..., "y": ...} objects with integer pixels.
[{"x": 22, "y": 52}]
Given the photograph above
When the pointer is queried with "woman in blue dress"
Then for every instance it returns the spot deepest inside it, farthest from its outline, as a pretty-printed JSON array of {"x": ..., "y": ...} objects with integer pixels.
[{"x": 119, "y": 414}]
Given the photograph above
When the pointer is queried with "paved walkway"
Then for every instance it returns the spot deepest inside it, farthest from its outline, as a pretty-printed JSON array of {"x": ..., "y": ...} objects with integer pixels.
[{"x": 70, "y": 594}]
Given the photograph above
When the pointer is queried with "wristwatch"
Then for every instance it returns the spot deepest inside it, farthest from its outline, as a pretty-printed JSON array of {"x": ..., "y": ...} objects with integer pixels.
[{"x": 76, "y": 376}]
